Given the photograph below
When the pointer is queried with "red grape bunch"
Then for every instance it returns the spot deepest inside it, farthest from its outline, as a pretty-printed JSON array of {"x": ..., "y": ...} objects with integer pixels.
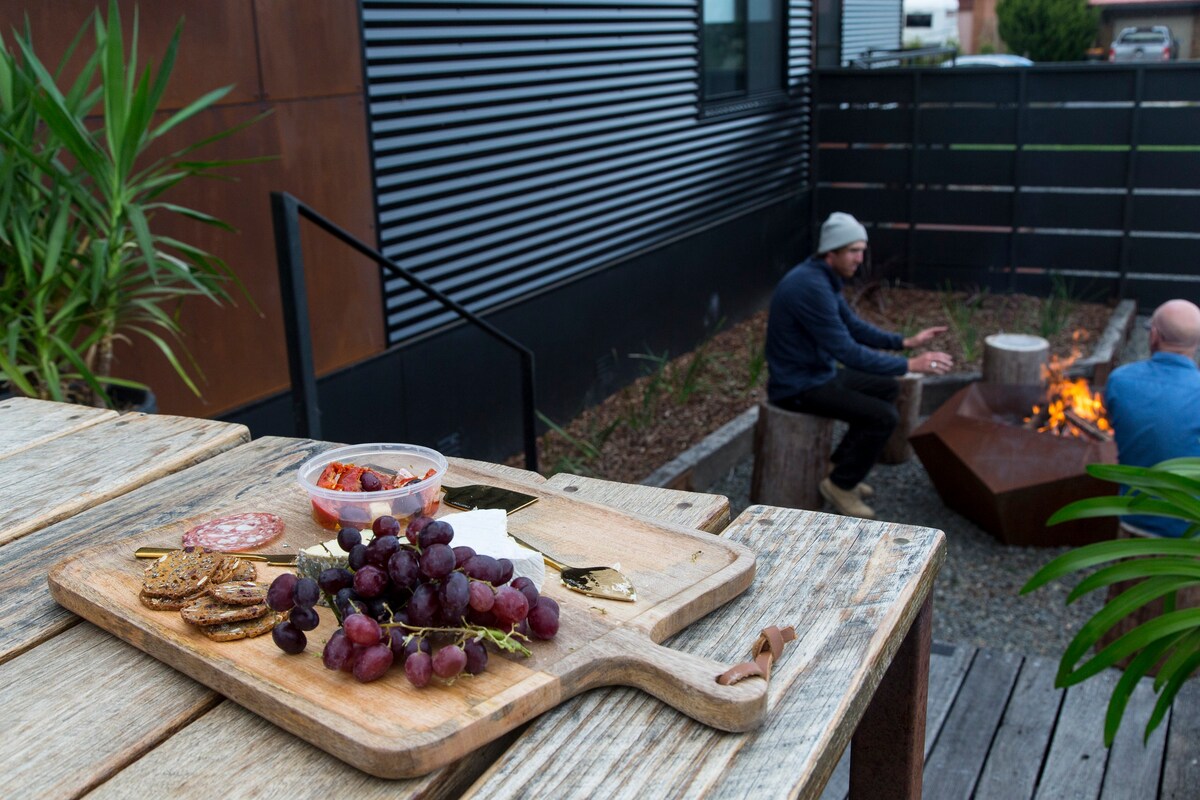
[{"x": 414, "y": 601}]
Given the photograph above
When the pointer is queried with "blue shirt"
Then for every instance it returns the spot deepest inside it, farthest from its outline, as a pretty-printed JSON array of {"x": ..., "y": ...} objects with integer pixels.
[
  {"x": 1154, "y": 407},
  {"x": 811, "y": 328}
]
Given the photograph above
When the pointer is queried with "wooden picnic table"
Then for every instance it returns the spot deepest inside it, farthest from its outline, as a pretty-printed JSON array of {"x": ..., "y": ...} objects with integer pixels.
[{"x": 88, "y": 714}]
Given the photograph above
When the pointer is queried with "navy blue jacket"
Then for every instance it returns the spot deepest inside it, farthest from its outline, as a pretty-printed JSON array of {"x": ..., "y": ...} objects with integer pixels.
[{"x": 811, "y": 329}]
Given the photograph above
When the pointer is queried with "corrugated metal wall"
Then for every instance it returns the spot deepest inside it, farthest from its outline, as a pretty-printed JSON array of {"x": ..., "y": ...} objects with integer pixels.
[
  {"x": 520, "y": 144},
  {"x": 870, "y": 25}
]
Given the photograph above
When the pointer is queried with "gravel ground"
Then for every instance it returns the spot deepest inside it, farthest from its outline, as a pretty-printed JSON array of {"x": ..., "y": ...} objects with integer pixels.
[{"x": 976, "y": 598}]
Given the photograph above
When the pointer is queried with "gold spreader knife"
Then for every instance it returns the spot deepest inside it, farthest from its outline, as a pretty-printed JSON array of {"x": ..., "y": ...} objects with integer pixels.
[
  {"x": 604, "y": 582},
  {"x": 272, "y": 559}
]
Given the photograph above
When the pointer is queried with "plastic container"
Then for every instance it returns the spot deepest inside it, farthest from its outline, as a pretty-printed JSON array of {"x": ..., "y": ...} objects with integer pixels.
[{"x": 334, "y": 509}]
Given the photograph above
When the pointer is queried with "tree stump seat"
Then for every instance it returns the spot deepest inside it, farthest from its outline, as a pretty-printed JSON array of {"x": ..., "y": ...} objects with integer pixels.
[
  {"x": 792, "y": 449},
  {"x": 791, "y": 456}
]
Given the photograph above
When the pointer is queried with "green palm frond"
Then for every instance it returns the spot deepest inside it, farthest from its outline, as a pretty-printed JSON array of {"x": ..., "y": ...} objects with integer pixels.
[{"x": 1157, "y": 568}]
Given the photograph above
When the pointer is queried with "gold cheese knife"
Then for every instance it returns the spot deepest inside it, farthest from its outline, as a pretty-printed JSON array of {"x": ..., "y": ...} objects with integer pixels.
[
  {"x": 272, "y": 559},
  {"x": 605, "y": 582}
]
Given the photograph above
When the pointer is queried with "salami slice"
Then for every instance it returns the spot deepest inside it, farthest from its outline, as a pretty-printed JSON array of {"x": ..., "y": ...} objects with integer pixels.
[{"x": 235, "y": 532}]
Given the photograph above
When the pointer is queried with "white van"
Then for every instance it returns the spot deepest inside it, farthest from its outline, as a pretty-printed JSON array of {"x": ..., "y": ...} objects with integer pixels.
[{"x": 930, "y": 23}]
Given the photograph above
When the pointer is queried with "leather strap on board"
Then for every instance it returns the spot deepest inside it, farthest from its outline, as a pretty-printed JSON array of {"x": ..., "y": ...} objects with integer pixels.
[{"x": 767, "y": 648}]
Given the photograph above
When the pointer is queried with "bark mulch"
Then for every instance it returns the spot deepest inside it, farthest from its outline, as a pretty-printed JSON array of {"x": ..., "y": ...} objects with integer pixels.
[{"x": 679, "y": 400}]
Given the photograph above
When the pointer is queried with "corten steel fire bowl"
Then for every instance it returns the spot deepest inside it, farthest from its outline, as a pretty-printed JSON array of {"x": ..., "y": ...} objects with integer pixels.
[{"x": 1009, "y": 479}]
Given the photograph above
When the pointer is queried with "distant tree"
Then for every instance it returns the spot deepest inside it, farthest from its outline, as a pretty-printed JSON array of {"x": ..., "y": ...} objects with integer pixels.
[{"x": 1047, "y": 30}]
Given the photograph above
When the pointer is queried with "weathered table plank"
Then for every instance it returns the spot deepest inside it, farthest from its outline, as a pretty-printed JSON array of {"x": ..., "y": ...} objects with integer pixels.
[
  {"x": 1134, "y": 768},
  {"x": 83, "y": 705},
  {"x": 963, "y": 743},
  {"x": 1012, "y": 766},
  {"x": 1075, "y": 764},
  {"x": 100, "y": 462},
  {"x": 28, "y": 615},
  {"x": 851, "y": 587},
  {"x": 503, "y": 470},
  {"x": 26, "y": 423},
  {"x": 671, "y": 505},
  {"x": 280, "y": 763},
  {"x": 1181, "y": 765}
]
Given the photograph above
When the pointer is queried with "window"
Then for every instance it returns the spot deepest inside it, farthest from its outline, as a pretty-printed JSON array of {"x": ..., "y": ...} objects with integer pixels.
[
  {"x": 916, "y": 20},
  {"x": 742, "y": 53}
]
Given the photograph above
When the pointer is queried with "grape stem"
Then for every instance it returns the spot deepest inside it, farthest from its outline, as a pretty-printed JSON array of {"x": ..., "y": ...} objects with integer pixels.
[{"x": 502, "y": 640}]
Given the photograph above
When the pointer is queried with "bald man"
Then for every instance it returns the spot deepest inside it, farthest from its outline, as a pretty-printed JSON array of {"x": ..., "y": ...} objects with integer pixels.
[{"x": 1154, "y": 405}]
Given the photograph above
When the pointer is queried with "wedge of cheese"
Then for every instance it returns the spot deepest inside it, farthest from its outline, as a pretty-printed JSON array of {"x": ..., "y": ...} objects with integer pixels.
[
  {"x": 485, "y": 530},
  {"x": 312, "y": 560}
]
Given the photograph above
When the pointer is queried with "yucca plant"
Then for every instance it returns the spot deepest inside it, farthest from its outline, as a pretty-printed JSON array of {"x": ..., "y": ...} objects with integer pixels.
[
  {"x": 83, "y": 264},
  {"x": 1160, "y": 568}
]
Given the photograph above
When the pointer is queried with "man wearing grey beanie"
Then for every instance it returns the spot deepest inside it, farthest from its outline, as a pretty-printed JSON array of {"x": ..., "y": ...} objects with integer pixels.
[{"x": 824, "y": 360}]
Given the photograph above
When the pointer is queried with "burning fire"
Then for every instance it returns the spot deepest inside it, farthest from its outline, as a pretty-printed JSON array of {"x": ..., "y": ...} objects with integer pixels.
[{"x": 1071, "y": 408}]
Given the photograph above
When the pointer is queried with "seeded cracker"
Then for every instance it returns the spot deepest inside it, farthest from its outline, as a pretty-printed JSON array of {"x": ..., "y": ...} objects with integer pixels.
[
  {"x": 180, "y": 573},
  {"x": 239, "y": 593},
  {"x": 232, "y": 631},
  {"x": 225, "y": 570},
  {"x": 167, "y": 603},
  {"x": 210, "y": 611},
  {"x": 246, "y": 571}
]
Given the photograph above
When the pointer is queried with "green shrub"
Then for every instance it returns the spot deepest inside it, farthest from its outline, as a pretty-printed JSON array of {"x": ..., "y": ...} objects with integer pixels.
[{"x": 1047, "y": 30}]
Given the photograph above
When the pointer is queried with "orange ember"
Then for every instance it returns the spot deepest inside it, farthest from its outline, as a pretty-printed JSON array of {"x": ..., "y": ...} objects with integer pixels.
[{"x": 1071, "y": 408}]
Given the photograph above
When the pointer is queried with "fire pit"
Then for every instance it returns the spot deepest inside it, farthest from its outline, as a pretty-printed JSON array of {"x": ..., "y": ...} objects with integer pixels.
[{"x": 991, "y": 466}]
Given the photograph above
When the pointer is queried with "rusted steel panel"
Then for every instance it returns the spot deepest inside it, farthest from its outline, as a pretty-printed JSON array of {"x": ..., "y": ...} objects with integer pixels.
[
  {"x": 310, "y": 55},
  {"x": 309, "y": 48},
  {"x": 241, "y": 353},
  {"x": 217, "y": 49},
  {"x": 1006, "y": 478}
]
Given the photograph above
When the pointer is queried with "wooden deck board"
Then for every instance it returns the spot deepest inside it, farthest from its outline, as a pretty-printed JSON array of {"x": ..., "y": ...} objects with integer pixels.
[
  {"x": 953, "y": 768},
  {"x": 996, "y": 727},
  {"x": 948, "y": 665},
  {"x": 1015, "y": 759},
  {"x": 1181, "y": 766},
  {"x": 1075, "y": 764},
  {"x": 1134, "y": 764}
]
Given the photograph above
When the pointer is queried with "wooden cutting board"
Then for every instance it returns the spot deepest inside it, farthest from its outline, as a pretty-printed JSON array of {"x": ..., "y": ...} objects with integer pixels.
[{"x": 391, "y": 729}]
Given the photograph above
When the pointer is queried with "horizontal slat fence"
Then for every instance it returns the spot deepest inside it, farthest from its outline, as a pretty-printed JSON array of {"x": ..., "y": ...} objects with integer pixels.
[{"x": 1019, "y": 178}]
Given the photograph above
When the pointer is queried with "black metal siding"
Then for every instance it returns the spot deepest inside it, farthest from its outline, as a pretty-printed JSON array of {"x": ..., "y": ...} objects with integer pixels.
[{"x": 518, "y": 145}]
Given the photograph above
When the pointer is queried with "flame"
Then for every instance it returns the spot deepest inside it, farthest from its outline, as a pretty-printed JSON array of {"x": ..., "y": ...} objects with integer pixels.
[{"x": 1066, "y": 397}]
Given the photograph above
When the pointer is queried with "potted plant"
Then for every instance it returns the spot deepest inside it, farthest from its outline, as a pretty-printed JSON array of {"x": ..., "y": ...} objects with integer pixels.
[
  {"x": 84, "y": 263},
  {"x": 1159, "y": 568}
]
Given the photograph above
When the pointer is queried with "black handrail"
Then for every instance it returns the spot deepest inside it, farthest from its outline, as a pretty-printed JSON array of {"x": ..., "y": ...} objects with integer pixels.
[{"x": 286, "y": 212}]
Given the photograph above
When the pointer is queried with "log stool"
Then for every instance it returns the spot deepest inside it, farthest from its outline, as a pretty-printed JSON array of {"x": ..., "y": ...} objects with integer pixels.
[
  {"x": 791, "y": 456},
  {"x": 908, "y": 403},
  {"x": 1014, "y": 358}
]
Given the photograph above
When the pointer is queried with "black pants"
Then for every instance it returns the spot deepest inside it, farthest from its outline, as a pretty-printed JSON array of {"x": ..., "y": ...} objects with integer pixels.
[{"x": 868, "y": 403}]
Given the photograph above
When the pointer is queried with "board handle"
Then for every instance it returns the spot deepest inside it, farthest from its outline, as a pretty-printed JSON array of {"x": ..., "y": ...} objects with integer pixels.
[{"x": 687, "y": 683}]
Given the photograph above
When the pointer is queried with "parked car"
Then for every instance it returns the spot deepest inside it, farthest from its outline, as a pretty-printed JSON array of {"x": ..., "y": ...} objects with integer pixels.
[
  {"x": 989, "y": 60},
  {"x": 1144, "y": 43}
]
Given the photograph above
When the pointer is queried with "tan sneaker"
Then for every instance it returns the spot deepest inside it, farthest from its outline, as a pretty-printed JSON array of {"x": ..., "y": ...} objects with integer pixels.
[
  {"x": 864, "y": 489},
  {"x": 846, "y": 501}
]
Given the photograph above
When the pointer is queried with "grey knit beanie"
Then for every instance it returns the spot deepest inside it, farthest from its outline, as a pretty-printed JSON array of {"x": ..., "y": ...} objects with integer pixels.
[{"x": 840, "y": 230}]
